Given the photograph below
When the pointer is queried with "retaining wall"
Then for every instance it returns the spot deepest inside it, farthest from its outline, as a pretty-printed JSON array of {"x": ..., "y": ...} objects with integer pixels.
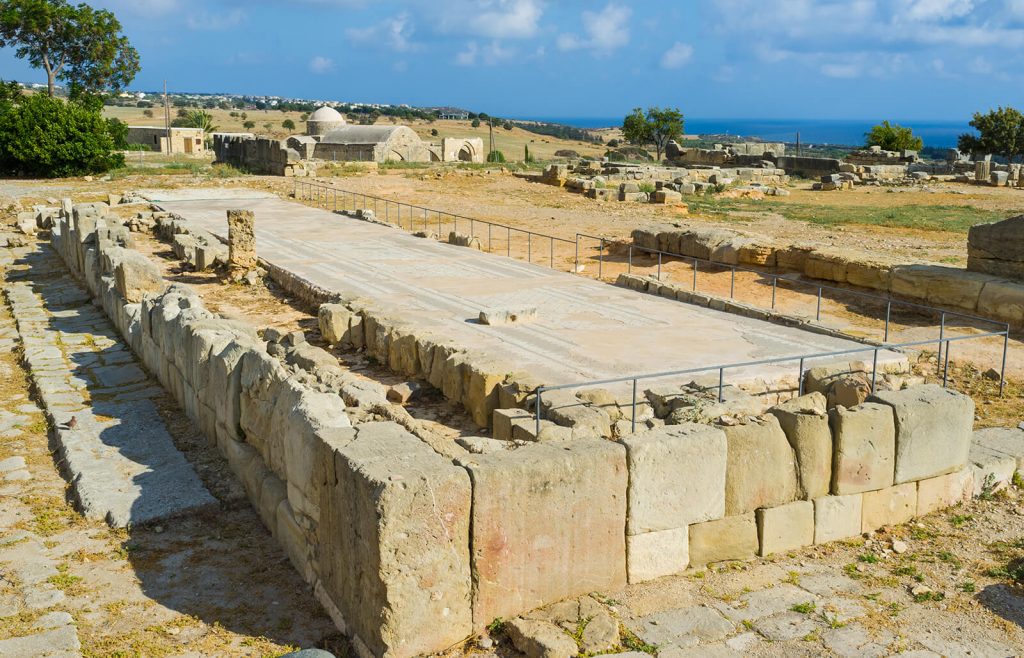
[
  {"x": 412, "y": 550},
  {"x": 936, "y": 285}
]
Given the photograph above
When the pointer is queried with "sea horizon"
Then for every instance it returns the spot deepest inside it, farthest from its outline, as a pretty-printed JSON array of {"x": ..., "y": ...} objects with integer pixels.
[{"x": 840, "y": 132}]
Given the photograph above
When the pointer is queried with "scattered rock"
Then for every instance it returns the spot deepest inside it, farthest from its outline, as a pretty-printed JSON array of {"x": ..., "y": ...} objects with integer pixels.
[
  {"x": 540, "y": 639},
  {"x": 404, "y": 392},
  {"x": 899, "y": 547}
]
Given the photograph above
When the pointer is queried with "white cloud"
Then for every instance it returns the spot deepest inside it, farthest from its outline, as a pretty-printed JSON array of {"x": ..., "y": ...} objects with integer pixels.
[
  {"x": 676, "y": 56},
  {"x": 321, "y": 65},
  {"x": 847, "y": 70},
  {"x": 605, "y": 31},
  {"x": 933, "y": 10},
  {"x": 394, "y": 33},
  {"x": 508, "y": 19},
  {"x": 490, "y": 54},
  {"x": 214, "y": 21}
]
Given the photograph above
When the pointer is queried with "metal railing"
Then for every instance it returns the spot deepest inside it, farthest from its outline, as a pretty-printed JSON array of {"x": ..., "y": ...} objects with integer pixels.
[
  {"x": 791, "y": 281},
  {"x": 420, "y": 218},
  {"x": 943, "y": 366}
]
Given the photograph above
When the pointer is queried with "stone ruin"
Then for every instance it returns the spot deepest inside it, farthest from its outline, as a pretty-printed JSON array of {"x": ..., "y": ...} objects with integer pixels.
[
  {"x": 997, "y": 249},
  {"x": 329, "y": 139}
]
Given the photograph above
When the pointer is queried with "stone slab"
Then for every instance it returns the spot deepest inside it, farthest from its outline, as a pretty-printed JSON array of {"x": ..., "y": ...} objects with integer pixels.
[
  {"x": 890, "y": 506},
  {"x": 731, "y": 538}
]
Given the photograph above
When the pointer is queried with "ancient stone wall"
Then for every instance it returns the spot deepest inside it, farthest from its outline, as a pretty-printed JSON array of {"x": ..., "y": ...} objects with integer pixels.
[
  {"x": 938, "y": 285},
  {"x": 997, "y": 249},
  {"x": 412, "y": 547}
]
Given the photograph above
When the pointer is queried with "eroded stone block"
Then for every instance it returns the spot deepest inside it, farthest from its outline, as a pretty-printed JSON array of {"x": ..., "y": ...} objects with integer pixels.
[
  {"x": 656, "y": 554},
  {"x": 731, "y": 538},
  {"x": 786, "y": 527},
  {"x": 837, "y": 517},
  {"x": 864, "y": 448},
  {"x": 761, "y": 467},
  {"x": 889, "y": 506}
]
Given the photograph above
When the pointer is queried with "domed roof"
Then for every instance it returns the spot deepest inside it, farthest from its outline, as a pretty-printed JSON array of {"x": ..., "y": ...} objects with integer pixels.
[
  {"x": 363, "y": 134},
  {"x": 327, "y": 115}
]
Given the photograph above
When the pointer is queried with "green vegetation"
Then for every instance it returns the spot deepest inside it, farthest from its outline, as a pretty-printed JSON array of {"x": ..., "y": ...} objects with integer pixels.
[
  {"x": 804, "y": 608},
  {"x": 76, "y": 44},
  {"x": 201, "y": 119},
  {"x": 958, "y": 520},
  {"x": 657, "y": 127},
  {"x": 893, "y": 137},
  {"x": 496, "y": 156},
  {"x": 288, "y": 124},
  {"x": 957, "y": 219},
  {"x": 1000, "y": 132},
  {"x": 48, "y": 137}
]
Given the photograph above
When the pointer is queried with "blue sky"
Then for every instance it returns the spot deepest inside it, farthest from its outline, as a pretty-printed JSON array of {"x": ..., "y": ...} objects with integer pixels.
[{"x": 901, "y": 59}]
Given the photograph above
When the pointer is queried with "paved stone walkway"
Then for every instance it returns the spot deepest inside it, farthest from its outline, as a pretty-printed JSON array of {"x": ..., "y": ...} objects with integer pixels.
[
  {"x": 119, "y": 456},
  {"x": 585, "y": 329}
]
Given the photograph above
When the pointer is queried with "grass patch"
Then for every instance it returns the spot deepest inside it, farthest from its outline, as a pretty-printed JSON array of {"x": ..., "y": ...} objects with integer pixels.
[
  {"x": 804, "y": 608},
  {"x": 967, "y": 587},
  {"x": 958, "y": 520},
  {"x": 50, "y": 515},
  {"x": 924, "y": 597},
  {"x": 65, "y": 582},
  {"x": 869, "y": 558},
  {"x": 630, "y": 641},
  {"x": 953, "y": 218}
]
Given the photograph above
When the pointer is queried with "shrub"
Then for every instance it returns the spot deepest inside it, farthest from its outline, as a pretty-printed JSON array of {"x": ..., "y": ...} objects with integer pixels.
[
  {"x": 566, "y": 153},
  {"x": 147, "y": 113},
  {"x": 496, "y": 156},
  {"x": 507, "y": 125},
  {"x": 433, "y": 132},
  {"x": 46, "y": 137},
  {"x": 288, "y": 124},
  {"x": 475, "y": 123},
  {"x": 649, "y": 188},
  {"x": 249, "y": 125}
]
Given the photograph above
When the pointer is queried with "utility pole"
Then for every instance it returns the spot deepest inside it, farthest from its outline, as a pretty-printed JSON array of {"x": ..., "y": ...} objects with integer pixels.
[
  {"x": 798, "y": 152},
  {"x": 490, "y": 125},
  {"x": 167, "y": 119}
]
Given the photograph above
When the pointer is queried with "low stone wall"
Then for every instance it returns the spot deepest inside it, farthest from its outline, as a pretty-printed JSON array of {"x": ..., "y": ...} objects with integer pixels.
[
  {"x": 412, "y": 548},
  {"x": 935, "y": 285}
]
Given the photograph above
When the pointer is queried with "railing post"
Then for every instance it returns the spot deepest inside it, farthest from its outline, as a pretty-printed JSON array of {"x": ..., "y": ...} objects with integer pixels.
[
  {"x": 508, "y": 242},
  {"x": 529, "y": 247},
  {"x": 874, "y": 370},
  {"x": 600, "y": 260},
  {"x": 1002, "y": 372},
  {"x": 945, "y": 366},
  {"x": 817, "y": 315},
  {"x": 942, "y": 335},
  {"x": 695, "y": 275},
  {"x": 577, "y": 259},
  {"x": 537, "y": 413},
  {"x": 633, "y": 428},
  {"x": 775, "y": 287},
  {"x": 888, "y": 313},
  {"x": 551, "y": 256},
  {"x": 732, "y": 284},
  {"x": 659, "y": 266},
  {"x": 800, "y": 377},
  {"x": 489, "y": 227},
  {"x": 721, "y": 385}
]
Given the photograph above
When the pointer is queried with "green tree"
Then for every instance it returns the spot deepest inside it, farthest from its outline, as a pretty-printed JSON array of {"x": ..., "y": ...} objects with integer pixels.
[
  {"x": 657, "y": 127},
  {"x": 496, "y": 156},
  {"x": 475, "y": 123},
  {"x": 288, "y": 124},
  {"x": 893, "y": 137},
  {"x": 48, "y": 137},
  {"x": 198, "y": 119},
  {"x": 249, "y": 125},
  {"x": 1000, "y": 132},
  {"x": 77, "y": 44}
]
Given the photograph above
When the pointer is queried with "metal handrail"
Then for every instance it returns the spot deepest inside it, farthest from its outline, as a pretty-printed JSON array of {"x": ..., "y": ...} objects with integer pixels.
[
  {"x": 530, "y": 235},
  {"x": 889, "y": 300},
  {"x": 802, "y": 359}
]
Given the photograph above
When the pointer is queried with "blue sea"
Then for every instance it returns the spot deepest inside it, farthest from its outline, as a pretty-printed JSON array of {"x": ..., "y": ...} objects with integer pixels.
[{"x": 941, "y": 134}]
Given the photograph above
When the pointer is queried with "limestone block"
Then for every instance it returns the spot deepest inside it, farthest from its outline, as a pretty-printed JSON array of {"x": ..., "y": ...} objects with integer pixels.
[
  {"x": 242, "y": 239},
  {"x": 1004, "y": 441},
  {"x": 480, "y": 395},
  {"x": 273, "y": 492},
  {"x": 942, "y": 286},
  {"x": 496, "y": 316},
  {"x": 867, "y": 274},
  {"x": 786, "y": 527},
  {"x": 731, "y": 538},
  {"x": 403, "y": 353},
  {"x": 394, "y": 541},
  {"x": 137, "y": 276},
  {"x": 549, "y": 523},
  {"x": 291, "y": 538},
  {"x": 806, "y": 426},
  {"x": 944, "y": 491},
  {"x": 536, "y": 638},
  {"x": 335, "y": 321},
  {"x": 261, "y": 377},
  {"x": 655, "y": 554},
  {"x": 761, "y": 466},
  {"x": 503, "y": 421},
  {"x": 826, "y": 266},
  {"x": 1003, "y": 300},
  {"x": 889, "y": 506},
  {"x": 565, "y": 409},
  {"x": 837, "y": 517},
  {"x": 225, "y": 378},
  {"x": 310, "y": 357},
  {"x": 864, "y": 448},
  {"x": 992, "y": 470},
  {"x": 677, "y": 477},
  {"x": 933, "y": 430},
  {"x": 1003, "y": 239},
  {"x": 316, "y": 416}
]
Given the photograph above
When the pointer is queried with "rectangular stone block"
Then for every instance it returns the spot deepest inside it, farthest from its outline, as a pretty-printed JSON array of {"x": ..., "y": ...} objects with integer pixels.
[
  {"x": 933, "y": 430},
  {"x": 503, "y": 421},
  {"x": 731, "y": 538},
  {"x": 889, "y": 506},
  {"x": 761, "y": 466},
  {"x": 786, "y": 527},
  {"x": 805, "y": 422},
  {"x": 944, "y": 491},
  {"x": 657, "y": 554},
  {"x": 549, "y": 523},
  {"x": 394, "y": 541},
  {"x": 676, "y": 477},
  {"x": 864, "y": 448},
  {"x": 837, "y": 517},
  {"x": 992, "y": 470}
]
